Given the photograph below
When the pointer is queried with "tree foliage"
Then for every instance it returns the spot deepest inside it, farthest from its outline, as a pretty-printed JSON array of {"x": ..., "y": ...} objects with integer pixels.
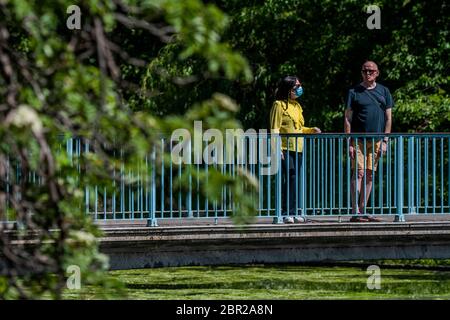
[
  {"x": 57, "y": 83},
  {"x": 325, "y": 43}
]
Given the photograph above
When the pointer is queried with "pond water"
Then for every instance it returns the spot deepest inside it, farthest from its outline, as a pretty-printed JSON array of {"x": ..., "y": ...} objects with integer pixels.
[{"x": 279, "y": 282}]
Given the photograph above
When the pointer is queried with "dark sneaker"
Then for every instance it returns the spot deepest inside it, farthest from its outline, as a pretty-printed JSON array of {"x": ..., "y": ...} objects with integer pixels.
[
  {"x": 359, "y": 219},
  {"x": 372, "y": 219}
]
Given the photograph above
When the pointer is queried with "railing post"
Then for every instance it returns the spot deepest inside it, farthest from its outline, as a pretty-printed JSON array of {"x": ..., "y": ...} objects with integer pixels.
[
  {"x": 152, "y": 222},
  {"x": 303, "y": 178},
  {"x": 86, "y": 189},
  {"x": 400, "y": 187},
  {"x": 411, "y": 206},
  {"x": 278, "y": 218},
  {"x": 189, "y": 193}
]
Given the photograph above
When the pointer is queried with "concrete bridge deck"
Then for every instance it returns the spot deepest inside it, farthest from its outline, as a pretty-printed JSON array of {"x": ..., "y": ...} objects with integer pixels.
[{"x": 322, "y": 239}]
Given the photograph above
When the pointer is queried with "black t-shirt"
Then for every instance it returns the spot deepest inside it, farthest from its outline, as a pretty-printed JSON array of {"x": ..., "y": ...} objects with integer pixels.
[{"x": 369, "y": 107}]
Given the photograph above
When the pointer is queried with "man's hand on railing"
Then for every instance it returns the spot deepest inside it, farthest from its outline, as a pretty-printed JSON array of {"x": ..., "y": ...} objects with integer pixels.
[
  {"x": 383, "y": 148},
  {"x": 317, "y": 130},
  {"x": 351, "y": 151}
]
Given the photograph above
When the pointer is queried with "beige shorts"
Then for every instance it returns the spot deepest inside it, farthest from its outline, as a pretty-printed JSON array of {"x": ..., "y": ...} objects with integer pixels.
[{"x": 367, "y": 157}]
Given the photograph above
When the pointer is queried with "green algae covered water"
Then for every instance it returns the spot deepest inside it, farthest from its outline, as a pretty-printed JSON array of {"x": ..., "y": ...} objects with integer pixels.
[{"x": 426, "y": 279}]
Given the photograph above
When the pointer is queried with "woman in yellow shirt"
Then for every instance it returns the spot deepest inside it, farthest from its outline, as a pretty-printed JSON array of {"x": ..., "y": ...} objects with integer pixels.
[{"x": 286, "y": 116}]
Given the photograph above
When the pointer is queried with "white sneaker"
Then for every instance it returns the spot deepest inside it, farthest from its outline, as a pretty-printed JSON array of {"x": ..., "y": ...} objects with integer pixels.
[
  {"x": 288, "y": 220},
  {"x": 299, "y": 219}
]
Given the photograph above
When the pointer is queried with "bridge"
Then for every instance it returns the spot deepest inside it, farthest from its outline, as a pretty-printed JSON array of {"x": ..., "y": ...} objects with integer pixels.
[
  {"x": 149, "y": 222},
  {"x": 135, "y": 245}
]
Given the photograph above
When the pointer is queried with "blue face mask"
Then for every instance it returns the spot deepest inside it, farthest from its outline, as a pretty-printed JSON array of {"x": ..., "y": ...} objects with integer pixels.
[{"x": 298, "y": 92}]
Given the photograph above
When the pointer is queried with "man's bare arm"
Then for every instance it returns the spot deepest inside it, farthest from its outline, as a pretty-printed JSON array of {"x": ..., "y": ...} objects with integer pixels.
[
  {"x": 387, "y": 128},
  {"x": 348, "y": 120}
]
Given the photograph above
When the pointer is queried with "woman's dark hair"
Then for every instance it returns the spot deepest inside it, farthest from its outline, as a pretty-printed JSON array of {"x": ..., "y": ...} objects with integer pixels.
[{"x": 284, "y": 87}]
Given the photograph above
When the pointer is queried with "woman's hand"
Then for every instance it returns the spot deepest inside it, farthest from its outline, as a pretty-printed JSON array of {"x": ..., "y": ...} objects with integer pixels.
[
  {"x": 282, "y": 155},
  {"x": 317, "y": 130}
]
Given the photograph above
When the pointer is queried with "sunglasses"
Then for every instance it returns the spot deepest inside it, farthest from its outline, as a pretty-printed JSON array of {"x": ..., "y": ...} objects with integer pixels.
[{"x": 368, "y": 71}]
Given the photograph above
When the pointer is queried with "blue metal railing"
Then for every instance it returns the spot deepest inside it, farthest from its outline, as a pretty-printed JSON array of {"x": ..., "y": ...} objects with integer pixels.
[{"x": 412, "y": 177}]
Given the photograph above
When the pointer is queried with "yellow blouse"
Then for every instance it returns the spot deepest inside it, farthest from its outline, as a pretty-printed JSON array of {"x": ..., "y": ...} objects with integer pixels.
[{"x": 288, "y": 119}]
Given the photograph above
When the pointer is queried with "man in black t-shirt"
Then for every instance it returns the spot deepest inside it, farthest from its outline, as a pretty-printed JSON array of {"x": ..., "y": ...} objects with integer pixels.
[{"x": 369, "y": 107}]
